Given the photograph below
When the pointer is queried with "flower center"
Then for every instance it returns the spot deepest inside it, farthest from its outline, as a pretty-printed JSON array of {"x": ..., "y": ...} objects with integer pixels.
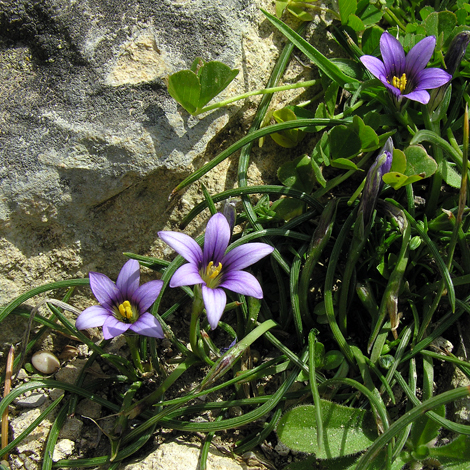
[
  {"x": 400, "y": 83},
  {"x": 127, "y": 313},
  {"x": 211, "y": 274}
]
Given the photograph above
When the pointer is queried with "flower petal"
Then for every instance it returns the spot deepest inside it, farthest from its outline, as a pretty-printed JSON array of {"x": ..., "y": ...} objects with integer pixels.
[
  {"x": 92, "y": 317},
  {"x": 393, "y": 55},
  {"x": 184, "y": 245},
  {"x": 393, "y": 89},
  {"x": 104, "y": 289},
  {"x": 146, "y": 295},
  {"x": 421, "y": 96},
  {"x": 431, "y": 78},
  {"x": 375, "y": 66},
  {"x": 129, "y": 278},
  {"x": 242, "y": 282},
  {"x": 245, "y": 255},
  {"x": 419, "y": 56},
  {"x": 186, "y": 275},
  {"x": 147, "y": 325},
  {"x": 214, "y": 301},
  {"x": 216, "y": 239},
  {"x": 113, "y": 327}
]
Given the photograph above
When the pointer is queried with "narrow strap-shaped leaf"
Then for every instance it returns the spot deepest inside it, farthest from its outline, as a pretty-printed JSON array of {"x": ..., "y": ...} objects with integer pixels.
[
  {"x": 325, "y": 65},
  {"x": 250, "y": 138}
]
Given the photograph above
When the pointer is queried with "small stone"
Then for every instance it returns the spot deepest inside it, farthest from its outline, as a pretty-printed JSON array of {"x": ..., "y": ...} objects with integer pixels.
[
  {"x": 89, "y": 409},
  {"x": 71, "y": 429},
  {"x": 34, "y": 400},
  {"x": 22, "y": 375},
  {"x": 45, "y": 362},
  {"x": 63, "y": 449}
]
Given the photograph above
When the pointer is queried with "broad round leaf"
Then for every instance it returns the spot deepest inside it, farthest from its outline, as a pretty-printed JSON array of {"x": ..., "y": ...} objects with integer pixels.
[{"x": 345, "y": 430}]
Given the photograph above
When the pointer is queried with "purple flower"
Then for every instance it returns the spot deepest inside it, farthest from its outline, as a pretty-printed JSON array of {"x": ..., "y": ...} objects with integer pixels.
[
  {"x": 406, "y": 77},
  {"x": 213, "y": 268},
  {"x": 124, "y": 305}
]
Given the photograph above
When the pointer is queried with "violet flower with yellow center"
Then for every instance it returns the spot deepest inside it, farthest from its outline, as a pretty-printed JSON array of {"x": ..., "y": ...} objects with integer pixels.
[
  {"x": 215, "y": 268},
  {"x": 406, "y": 76},
  {"x": 124, "y": 305}
]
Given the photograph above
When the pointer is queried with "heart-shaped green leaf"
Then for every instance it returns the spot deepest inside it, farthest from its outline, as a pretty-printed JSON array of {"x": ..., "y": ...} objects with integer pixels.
[
  {"x": 346, "y": 9},
  {"x": 184, "y": 87},
  {"x": 194, "y": 88},
  {"x": 288, "y": 138},
  {"x": 408, "y": 167},
  {"x": 344, "y": 142},
  {"x": 418, "y": 162},
  {"x": 367, "y": 135},
  {"x": 297, "y": 174},
  {"x": 214, "y": 77}
]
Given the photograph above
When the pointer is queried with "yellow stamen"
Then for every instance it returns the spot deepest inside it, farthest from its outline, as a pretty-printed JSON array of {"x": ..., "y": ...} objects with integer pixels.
[
  {"x": 125, "y": 310},
  {"x": 211, "y": 271},
  {"x": 399, "y": 83}
]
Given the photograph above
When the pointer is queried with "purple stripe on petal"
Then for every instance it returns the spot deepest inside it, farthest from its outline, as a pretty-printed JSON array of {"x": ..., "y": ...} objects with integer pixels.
[
  {"x": 104, "y": 289},
  {"x": 374, "y": 66},
  {"x": 146, "y": 295},
  {"x": 431, "y": 78},
  {"x": 113, "y": 327},
  {"x": 245, "y": 255},
  {"x": 147, "y": 325},
  {"x": 242, "y": 282},
  {"x": 214, "y": 301},
  {"x": 393, "y": 55},
  {"x": 216, "y": 239},
  {"x": 422, "y": 96},
  {"x": 129, "y": 278},
  {"x": 184, "y": 245},
  {"x": 186, "y": 275},
  {"x": 92, "y": 317},
  {"x": 419, "y": 56}
]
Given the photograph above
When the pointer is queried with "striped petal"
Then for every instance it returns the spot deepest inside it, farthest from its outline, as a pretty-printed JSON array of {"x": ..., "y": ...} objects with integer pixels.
[
  {"x": 216, "y": 239},
  {"x": 419, "y": 56},
  {"x": 129, "y": 278},
  {"x": 146, "y": 294},
  {"x": 243, "y": 283},
  {"x": 186, "y": 275},
  {"x": 184, "y": 245},
  {"x": 215, "y": 301},
  {"x": 375, "y": 66},
  {"x": 245, "y": 255},
  {"x": 113, "y": 327},
  {"x": 92, "y": 317},
  {"x": 104, "y": 289},
  {"x": 147, "y": 325},
  {"x": 393, "y": 55},
  {"x": 431, "y": 78}
]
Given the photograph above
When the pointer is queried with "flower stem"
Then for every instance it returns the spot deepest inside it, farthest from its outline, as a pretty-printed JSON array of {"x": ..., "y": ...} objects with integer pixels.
[
  {"x": 132, "y": 342},
  {"x": 264, "y": 91},
  {"x": 198, "y": 306}
]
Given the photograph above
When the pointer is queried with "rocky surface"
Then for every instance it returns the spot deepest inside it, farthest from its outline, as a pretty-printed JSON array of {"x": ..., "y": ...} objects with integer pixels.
[{"x": 91, "y": 145}]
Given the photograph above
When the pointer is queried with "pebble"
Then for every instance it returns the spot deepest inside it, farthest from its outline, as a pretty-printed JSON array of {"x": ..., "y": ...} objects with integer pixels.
[
  {"x": 34, "y": 400},
  {"x": 63, "y": 449},
  {"x": 45, "y": 362}
]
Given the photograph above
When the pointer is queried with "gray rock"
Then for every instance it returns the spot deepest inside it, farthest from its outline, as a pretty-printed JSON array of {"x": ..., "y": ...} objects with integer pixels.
[
  {"x": 91, "y": 143},
  {"x": 35, "y": 400}
]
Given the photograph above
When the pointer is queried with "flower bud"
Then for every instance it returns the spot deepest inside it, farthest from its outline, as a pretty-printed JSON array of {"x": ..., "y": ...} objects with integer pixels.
[
  {"x": 374, "y": 182},
  {"x": 454, "y": 56}
]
